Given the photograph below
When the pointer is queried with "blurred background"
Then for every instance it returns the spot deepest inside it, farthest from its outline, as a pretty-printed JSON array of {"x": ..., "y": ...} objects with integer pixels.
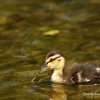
[{"x": 29, "y": 29}]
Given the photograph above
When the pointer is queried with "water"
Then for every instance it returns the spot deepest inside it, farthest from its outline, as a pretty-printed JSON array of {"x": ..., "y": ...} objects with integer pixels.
[{"x": 24, "y": 45}]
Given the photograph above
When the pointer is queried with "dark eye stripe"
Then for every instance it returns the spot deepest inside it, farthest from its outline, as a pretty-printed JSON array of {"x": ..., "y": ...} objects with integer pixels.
[{"x": 53, "y": 59}]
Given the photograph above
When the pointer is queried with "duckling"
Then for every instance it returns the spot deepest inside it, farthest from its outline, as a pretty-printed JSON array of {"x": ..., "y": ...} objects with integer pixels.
[{"x": 65, "y": 75}]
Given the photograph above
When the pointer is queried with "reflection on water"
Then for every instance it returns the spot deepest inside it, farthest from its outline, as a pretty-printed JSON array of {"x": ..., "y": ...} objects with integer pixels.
[
  {"x": 31, "y": 29},
  {"x": 62, "y": 92},
  {"x": 59, "y": 92}
]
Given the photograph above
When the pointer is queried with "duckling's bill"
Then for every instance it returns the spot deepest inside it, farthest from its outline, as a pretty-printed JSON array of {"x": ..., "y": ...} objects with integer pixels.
[{"x": 43, "y": 69}]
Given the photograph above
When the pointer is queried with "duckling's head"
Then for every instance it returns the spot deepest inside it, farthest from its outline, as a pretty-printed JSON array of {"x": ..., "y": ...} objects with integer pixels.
[{"x": 54, "y": 60}]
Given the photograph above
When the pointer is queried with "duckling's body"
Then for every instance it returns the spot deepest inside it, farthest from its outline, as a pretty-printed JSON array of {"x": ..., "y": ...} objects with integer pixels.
[
  {"x": 78, "y": 74},
  {"x": 85, "y": 73}
]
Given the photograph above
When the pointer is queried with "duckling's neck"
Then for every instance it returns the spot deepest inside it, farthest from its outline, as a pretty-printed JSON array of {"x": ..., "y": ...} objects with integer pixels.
[{"x": 57, "y": 76}]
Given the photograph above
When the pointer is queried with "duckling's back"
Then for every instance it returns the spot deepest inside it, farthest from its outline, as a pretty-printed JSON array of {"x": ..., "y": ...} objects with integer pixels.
[{"x": 86, "y": 73}]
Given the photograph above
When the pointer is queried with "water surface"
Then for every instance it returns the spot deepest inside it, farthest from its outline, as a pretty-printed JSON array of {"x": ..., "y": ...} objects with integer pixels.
[{"x": 24, "y": 45}]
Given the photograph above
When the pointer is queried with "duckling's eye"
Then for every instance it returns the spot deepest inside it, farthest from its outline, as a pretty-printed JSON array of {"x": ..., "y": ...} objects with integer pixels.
[
  {"x": 51, "y": 60},
  {"x": 59, "y": 59}
]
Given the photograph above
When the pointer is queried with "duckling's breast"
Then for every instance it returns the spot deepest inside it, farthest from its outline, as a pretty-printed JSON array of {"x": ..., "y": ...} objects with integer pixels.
[{"x": 57, "y": 78}]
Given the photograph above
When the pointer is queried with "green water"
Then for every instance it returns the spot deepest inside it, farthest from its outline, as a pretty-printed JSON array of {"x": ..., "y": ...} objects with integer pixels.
[{"x": 24, "y": 45}]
